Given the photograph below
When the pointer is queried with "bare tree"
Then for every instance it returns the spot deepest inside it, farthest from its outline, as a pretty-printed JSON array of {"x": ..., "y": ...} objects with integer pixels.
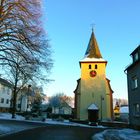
[
  {"x": 24, "y": 49},
  {"x": 54, "y": 101},
  {"x": 60, "y": 100}
]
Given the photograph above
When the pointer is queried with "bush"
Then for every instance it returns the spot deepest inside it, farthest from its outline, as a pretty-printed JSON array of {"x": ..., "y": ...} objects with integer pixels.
[
  {"x": 34, "y": 114},
  {"x": 28, "y": 117},
  {"x": 23, "y": 113}
]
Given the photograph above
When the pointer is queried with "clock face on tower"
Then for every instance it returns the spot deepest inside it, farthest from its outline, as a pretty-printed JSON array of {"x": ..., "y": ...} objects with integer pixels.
[{"x": 93, "y": 73}]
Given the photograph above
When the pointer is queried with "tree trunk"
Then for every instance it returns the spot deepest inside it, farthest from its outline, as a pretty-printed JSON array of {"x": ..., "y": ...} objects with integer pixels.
[
  {"x": 14, "y": 103},
  {"x": 15, "y": 95}
]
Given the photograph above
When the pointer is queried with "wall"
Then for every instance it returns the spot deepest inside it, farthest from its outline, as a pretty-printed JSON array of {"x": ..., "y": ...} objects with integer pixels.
[
  {"x": 133, "y": 94},
  {"x": 94, "y": 90},
  {"x": 5, "y": 93}
]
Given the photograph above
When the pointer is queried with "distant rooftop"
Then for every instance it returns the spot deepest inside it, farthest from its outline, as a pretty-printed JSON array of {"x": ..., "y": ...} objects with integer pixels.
[{"x": 5, "y": 82}]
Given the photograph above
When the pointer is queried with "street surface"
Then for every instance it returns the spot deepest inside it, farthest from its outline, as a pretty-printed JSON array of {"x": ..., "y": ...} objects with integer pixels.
[
  {"x": 53, "y": 132},
  {"x": 12, "y": 126}
]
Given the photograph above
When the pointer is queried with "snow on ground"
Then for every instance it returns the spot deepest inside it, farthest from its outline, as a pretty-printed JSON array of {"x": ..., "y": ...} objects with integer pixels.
[
  {"x": 115, "y": 134},
  {"x": 9, "y": 116},
  {"x": 47, "y": 121},
  {"x": 11, "y": 128},
  {"x": 109, "y": 134},
  {"x": 67, "y": 122},
  {"x": 124, "y": 109}
]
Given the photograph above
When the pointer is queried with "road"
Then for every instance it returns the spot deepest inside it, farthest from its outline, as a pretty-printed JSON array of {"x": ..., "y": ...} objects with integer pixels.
[{"x": 54, "y": 132}]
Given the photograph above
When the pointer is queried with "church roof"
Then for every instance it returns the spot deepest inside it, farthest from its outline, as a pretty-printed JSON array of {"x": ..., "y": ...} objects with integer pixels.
[{"x": 93, "y": 49}]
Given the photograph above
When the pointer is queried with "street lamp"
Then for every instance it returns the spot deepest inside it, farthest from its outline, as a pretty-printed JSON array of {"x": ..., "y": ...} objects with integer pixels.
[{"x": 102, "y": 98}]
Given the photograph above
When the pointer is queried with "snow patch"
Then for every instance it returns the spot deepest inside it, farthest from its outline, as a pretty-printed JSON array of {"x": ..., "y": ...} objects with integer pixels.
[
  {"x": 7, "y": 128},
  {"x": 9, "y": 116},
  {"x": 67, "y": 122},
  {"x": 87, "y": 59},
  {"x": 115, "y": 134},
  {"x": 124, "y": 109},
  {"x": 93, "y": 107}
]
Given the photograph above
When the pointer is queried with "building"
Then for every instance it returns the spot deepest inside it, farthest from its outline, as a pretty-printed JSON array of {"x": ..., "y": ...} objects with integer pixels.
[
  {"x": 5, "y": 95},
  {"x": 121, "y": 112},
  {"x": 93, "y": 94},
  {"x": 124, "y": 113},
  {"x": 67, "y": 110},
  {"x": 133, "y": 81},
  {"x": 28, "y": 97},
  {"x": 24, "y": 99}
]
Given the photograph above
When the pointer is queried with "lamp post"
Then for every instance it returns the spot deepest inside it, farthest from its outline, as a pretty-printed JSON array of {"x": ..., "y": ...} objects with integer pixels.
[{"x": 102, "y": 98}]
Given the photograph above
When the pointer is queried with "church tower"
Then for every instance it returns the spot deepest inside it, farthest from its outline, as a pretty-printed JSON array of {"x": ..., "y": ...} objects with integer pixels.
[{"x": 93, "y": 94}]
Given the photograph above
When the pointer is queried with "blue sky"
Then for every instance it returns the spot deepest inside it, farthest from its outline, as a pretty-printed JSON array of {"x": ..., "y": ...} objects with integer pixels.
[{"x": 68, "y": 26}]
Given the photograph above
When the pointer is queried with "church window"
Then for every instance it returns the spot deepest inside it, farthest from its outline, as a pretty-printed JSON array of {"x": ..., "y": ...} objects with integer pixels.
[
  {"x": 89, "y": 66},
  {"x": 95, "y": 66}
]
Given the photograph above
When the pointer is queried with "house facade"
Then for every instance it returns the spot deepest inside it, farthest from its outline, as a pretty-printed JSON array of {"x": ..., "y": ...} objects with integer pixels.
[
  {"x": 25, "y": 99},
  {"x": 67, "y": 110},
  {"x": 22, "y": 100},
  {"x": 5, "y": 95},
  {"x": 133, "y": 82},
  {"x": 93, "y": 94}
]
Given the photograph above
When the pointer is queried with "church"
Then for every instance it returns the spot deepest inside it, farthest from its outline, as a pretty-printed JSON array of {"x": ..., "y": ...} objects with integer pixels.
[{"x": 93, "y": 93}]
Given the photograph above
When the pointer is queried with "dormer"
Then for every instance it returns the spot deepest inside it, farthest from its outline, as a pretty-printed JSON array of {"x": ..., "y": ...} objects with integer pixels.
[{"x": 136, "y": 54}]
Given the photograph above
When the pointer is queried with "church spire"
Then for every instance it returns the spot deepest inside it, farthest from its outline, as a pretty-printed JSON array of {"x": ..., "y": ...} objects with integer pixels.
[{"x": 93, "y": 49}]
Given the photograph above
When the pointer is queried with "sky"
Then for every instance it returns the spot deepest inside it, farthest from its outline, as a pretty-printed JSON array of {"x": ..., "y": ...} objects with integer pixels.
[{"x": 68, "y": 24}]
